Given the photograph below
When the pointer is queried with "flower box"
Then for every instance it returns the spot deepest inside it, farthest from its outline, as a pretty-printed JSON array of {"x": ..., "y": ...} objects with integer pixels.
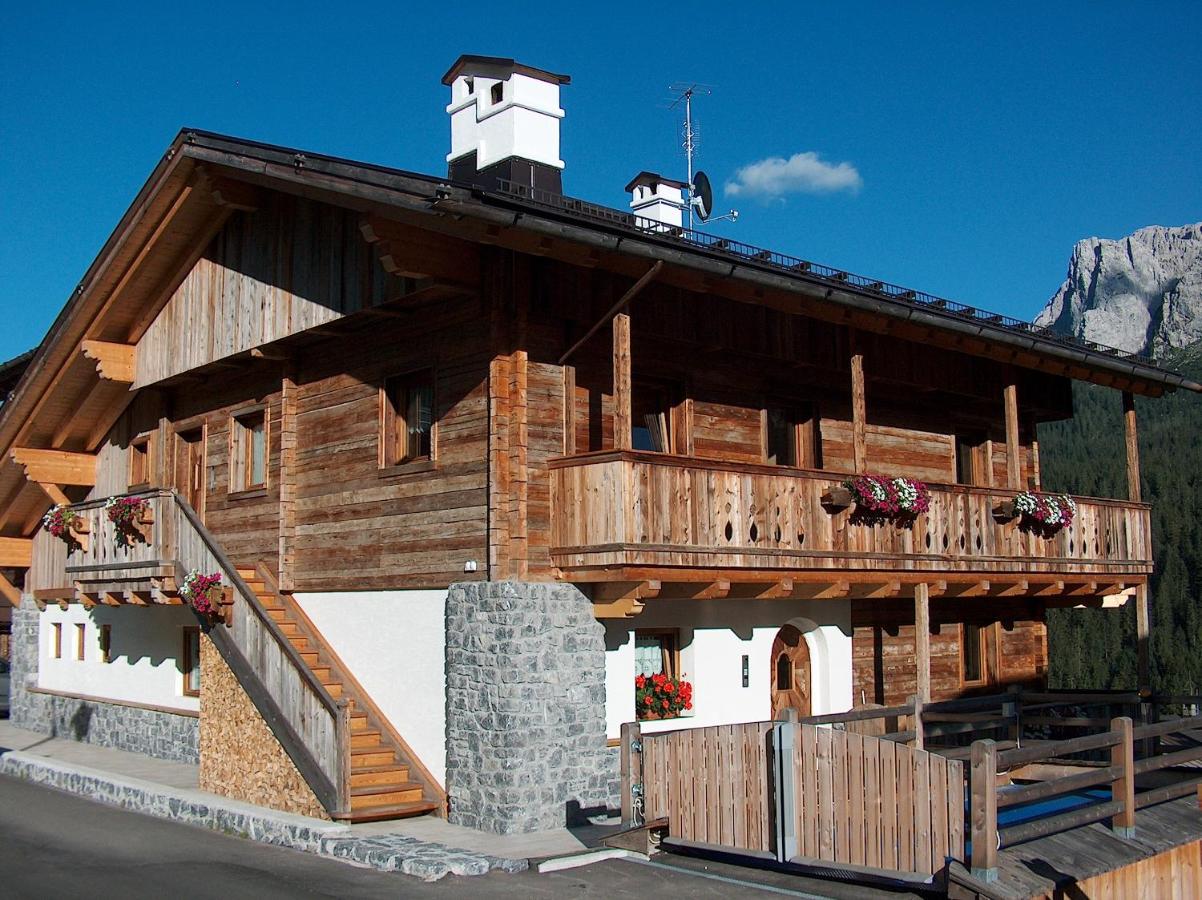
[
  {"x": 1044, "y": 513},
  {"x": 68, "y": 526},
  {"x": 207, "y": 596},
  {"x": 882, "y": 497},
  {"x": 661, "y": 697},
  {"x": 837, "y": 498}
]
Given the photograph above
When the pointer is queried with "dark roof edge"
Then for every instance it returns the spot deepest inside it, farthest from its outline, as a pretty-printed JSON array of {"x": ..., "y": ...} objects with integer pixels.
[{"x": 501, "y": 62}]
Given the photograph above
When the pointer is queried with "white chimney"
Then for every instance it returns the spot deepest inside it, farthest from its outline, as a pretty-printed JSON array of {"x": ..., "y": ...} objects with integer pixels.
[
  {"x": 504, "y": 123},
  {"x": 655, "y": 199}
]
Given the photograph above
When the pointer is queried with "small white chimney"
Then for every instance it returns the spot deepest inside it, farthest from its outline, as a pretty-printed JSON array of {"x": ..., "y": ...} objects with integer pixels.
[
  {"x": 655, "y": 199},
  {"x": 504, "y": 123}
]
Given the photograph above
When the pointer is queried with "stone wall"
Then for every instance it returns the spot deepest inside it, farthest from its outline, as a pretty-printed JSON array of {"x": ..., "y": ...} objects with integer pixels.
[
  {"x": 239, "y": 756},
  {"x": 525, "y": 707},
  {"x": 137, "y": 729}
]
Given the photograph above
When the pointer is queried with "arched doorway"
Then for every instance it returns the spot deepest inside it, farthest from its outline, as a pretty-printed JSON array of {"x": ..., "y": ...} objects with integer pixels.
[{"x": 790, "y": 672}]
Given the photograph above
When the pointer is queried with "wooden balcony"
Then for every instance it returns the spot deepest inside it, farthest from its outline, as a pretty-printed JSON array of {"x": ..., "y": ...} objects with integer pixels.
[{"x": 629, "y": 516}]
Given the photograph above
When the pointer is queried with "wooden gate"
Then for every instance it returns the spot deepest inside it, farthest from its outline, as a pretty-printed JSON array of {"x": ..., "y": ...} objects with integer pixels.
[{"x": 800, "y": 793}]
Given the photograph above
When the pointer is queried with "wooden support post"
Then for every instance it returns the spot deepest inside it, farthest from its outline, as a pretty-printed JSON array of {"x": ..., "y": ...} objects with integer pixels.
[
  {"x": 922, "y": 656},
  {"x": 9, "y": 591},
  {"x": 630, "y": 751},
  {"x": 1122, "y": 789},
  {"x": 1143, "y": 639},
  {"x": 1129, "y": 427},
  {"x": 1014, "y": 468},
  {"x": 287, "y": 478},
  {"x": 983, "y": 810},
  {"x": 859, "y": 413},
  {"x": 622, "y": 390}
]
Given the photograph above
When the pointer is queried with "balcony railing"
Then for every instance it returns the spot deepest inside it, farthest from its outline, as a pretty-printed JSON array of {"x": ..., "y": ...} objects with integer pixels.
[{"x": 645, "y": 510}]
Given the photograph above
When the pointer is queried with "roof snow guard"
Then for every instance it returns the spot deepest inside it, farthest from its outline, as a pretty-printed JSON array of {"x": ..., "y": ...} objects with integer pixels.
[{"x": 796, "y": 266}]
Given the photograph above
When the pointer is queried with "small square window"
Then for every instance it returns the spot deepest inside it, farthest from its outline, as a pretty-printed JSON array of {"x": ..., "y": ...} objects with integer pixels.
[
  {"x": 190, "y": 662},
  {"x": 657, "y": 652},
  {"x": 248, "y": 451},
  {"x": 106, "y": 643},
  {"x": 139, "y": 462},
  {"x": 407, "y": 418}
]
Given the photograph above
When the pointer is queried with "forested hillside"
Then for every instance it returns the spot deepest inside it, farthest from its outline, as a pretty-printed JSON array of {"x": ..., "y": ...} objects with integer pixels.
[{"x": 1096, "y": 648}]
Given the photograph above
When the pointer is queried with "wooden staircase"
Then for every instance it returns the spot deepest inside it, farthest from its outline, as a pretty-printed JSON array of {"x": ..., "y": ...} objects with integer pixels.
[{"x": 386, "y": 782}]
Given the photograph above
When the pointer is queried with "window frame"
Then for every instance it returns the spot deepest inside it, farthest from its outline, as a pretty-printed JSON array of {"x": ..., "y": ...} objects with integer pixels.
[
  {"x": 802, "y": 426},
  {"x": 670, "y": 655},
  {"x": 141, "y": 460},
  {"x": 81, "y": 636},
  {"x": 969, "y": 448},
  {"x": 983, "y": 630},
  {"x": 392, "y": 413},
  {"x": 190, "y": 633},
  {"x": 240, "y": 463},
  {"x": 56, "y": 646},
  {"x": 106, "y": 643}
]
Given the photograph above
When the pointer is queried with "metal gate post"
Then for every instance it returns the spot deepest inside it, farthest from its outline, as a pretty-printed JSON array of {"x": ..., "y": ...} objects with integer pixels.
[
  {"x": 784, "y": 809},
  {"x": 631, "y": 750}
]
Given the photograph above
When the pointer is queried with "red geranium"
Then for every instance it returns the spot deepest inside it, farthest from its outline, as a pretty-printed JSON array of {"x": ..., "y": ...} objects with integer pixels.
[{"x": 661, "y": 696}]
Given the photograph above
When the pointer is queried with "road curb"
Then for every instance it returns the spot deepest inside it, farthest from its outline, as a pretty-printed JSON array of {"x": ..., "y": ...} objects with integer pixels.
[{"x": 388, "y": 853}]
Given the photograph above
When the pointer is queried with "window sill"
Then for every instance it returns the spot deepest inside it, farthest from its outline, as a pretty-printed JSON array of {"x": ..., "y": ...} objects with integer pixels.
[
  {"x": 417, "y": 467},
  {"x": 251, "y": 494}
]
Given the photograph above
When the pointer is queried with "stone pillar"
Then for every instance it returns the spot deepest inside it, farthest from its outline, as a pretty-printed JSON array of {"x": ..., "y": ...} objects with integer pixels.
[
  {"x": 25, "y": 710},
  {"x": 525, "y": 707}
]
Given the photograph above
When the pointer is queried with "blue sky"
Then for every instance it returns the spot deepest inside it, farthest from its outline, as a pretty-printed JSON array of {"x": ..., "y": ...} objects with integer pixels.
[{"x": 977, "y": 142}]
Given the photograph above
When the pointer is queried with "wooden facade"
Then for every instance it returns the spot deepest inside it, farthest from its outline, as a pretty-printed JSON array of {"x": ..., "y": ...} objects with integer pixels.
[{"x": 642, "y": 429}]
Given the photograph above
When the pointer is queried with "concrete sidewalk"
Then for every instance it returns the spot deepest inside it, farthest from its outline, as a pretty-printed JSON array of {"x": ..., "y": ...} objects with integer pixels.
[{"x": 427, "y": 847}]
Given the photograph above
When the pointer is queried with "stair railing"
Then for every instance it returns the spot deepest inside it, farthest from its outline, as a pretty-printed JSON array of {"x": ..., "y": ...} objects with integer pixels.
[{"x": 311, "y": 726}]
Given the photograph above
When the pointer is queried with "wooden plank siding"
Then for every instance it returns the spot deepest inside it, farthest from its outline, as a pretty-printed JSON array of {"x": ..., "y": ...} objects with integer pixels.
[{"x": 883, "y": 647}]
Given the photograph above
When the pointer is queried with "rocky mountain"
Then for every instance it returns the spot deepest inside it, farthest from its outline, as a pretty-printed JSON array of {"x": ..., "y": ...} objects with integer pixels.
[{"x": 1141, "y": 292}]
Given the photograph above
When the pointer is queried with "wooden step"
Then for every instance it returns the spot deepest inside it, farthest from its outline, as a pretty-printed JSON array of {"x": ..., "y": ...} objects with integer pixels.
[
  {"x": 385, "y": 795},
  {"x": 359, "y": 722},
  {"x": 279, "y": 614},
  {"x": 362, "y": 740},
  {"x": 334, "y": 689},
  {"x": 311, "y": 657},
  {"x": 400, "y": 811},
  {"x": 367, "y": 775},
  {"x": 322, "y": 673},
  {"x": 291, "y": 630},
  {"x": 372, "y": 758}
]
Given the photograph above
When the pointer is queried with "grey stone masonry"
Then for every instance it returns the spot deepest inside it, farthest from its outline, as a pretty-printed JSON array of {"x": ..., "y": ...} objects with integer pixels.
[
  {"x": 140, "y": 730},
  {"x": 525, "y": 707}
]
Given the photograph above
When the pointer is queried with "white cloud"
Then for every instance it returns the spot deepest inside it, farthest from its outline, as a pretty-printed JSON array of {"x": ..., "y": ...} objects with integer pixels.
[{"x": 801, "y": 173}]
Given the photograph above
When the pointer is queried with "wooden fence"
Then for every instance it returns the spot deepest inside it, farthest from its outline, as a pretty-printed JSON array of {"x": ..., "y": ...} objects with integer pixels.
[{"x": 799, "y": 793}]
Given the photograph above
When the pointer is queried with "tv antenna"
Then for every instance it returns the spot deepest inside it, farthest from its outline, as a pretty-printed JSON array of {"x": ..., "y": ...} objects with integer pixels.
[{"x": 700, "y": 192}]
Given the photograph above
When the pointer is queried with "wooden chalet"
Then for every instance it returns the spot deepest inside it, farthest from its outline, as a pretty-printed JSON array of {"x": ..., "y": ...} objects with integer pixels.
[{"x": 360, "y": 394}]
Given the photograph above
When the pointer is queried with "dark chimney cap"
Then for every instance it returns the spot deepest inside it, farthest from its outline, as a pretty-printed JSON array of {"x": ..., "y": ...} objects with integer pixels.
[
  {"x": 652, "y": 179},
  {"x": 496, "y": 66}
]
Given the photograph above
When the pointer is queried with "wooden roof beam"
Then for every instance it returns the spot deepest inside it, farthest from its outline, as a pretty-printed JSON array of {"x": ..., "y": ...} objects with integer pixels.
[
  {"x": 974, "y": 589},
  {"x": 15, "y": 553},
  {"x": 114, "y": 362},
  {"x": 1014, "y": 589},
  {"x": 9, "y": 591},
  {"x": 622, "y": 600},
  {"x": 1051, "y": 589},
  {"x": 56, "y": 466}
]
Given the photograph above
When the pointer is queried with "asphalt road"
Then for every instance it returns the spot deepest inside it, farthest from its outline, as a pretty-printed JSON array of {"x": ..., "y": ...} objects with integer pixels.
[{"x": 56, "y": 845}]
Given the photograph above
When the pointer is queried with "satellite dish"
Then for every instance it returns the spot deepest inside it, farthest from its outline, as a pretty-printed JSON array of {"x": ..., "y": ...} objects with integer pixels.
[{"x": 703, "y": 196}]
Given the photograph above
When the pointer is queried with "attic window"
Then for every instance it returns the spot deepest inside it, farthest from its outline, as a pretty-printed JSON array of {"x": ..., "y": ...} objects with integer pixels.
[{"x": 498, "y": 92}]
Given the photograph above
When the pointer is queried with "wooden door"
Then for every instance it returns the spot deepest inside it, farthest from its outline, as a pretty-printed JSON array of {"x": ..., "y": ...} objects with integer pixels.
[
  {"x": 790, "y": 672},
  {"x": 190, "y": 468}
]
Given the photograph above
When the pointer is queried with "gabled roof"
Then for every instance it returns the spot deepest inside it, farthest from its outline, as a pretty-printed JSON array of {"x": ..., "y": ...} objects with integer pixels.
[{"x": 195, "y": 187}]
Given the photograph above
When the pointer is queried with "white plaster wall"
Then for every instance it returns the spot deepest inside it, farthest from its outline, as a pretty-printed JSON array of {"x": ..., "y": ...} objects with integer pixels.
[
  {"x": 714, "y": 636},
  {"x": 146, "y": 648},
  {"x": 395, "y": 645}
]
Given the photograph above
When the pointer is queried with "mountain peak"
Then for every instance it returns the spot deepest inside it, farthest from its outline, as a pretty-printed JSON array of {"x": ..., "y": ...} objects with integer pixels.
[{"x": 1138, "y": 293}]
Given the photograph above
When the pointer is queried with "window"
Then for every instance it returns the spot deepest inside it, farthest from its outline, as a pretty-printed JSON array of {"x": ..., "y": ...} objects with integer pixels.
[
  {"x": 407, "y": 418},
  {"x": 139, "y": 462},
  {"x": 80, "y": 635},
  {"x": 651, "y": 417},
  {"x": 969, "y": 459},
  {"x": 56, "y": 641},
  {"x": 972, "y": 653},
  {"x": 657, "y": 652},
  {"x": 106, "y": 643},
  {"x": 190, "y": 662},
  {"x": 498, "y": 92},
  {"x": 784, "y": 672},
  {"x": 791, "y": 437},
  {"x": 248, "y": 451}
]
